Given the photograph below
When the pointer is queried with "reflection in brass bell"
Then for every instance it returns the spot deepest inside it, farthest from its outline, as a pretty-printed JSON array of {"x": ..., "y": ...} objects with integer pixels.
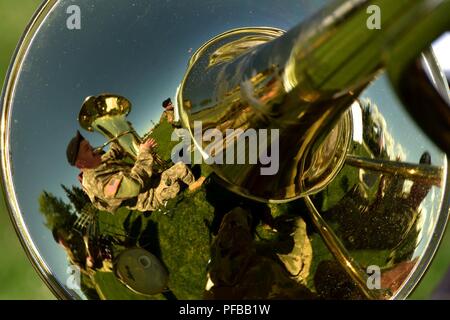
[{"x": 301, "y": 165}]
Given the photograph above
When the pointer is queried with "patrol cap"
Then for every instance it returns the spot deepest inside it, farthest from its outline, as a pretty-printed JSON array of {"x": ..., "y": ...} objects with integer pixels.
[
  {"x": 166, "y": 102},
  {"x": 73, "y": 147}
]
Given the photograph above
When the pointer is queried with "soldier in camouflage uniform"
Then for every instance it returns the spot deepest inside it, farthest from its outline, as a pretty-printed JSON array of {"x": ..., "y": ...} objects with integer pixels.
[
  {"x": 242, "y": 269},
  {"x": 112, "y": 182}
]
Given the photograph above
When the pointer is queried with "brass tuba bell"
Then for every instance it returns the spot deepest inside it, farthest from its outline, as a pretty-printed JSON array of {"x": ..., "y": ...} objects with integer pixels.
[
  {"x": 106, "y": 114},
  {"x": 363, "y": 136}
]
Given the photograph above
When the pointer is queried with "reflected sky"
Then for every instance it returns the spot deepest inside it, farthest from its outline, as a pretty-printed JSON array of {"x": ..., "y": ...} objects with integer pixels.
[{"x": 138, "y": 49}]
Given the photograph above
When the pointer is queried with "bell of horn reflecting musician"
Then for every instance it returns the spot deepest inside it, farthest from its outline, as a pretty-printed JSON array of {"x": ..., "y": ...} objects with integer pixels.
[{"x": 305, "y": 82}]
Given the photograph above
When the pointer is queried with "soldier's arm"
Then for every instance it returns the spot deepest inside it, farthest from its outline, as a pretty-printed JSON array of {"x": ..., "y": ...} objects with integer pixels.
[{"x": 115, "y": 152}]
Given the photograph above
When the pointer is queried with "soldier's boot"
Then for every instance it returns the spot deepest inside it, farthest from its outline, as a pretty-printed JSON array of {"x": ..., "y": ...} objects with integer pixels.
[{"x": 298, "y": 261}]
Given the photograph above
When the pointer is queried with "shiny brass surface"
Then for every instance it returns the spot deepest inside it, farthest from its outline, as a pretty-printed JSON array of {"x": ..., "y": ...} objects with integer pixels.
[
  {"x": 352, "y": 268},
  {"x": 300, "y": 83},
  {"x": 258, "y": 102},
  {"x": 360, "y": 187}
]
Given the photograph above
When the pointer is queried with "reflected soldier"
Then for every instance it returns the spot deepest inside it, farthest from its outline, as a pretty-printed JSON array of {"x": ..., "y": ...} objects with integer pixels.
[
  {"x": 111, "y": 181},
  {"x": 240, "y": 268}
]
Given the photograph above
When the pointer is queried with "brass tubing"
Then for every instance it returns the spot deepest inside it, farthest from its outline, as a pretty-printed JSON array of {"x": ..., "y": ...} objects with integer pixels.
[{"x": 100, "y": 148}]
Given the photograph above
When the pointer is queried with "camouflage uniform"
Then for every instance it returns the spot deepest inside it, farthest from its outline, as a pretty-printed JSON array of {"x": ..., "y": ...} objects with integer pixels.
[{"x": 138, "y": 188}]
